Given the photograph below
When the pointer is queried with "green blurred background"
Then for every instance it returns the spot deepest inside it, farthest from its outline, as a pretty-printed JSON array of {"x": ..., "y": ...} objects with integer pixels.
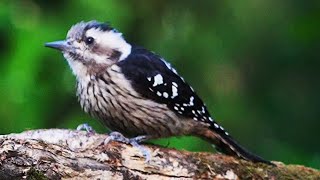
[{"x": 255, "y": 64}]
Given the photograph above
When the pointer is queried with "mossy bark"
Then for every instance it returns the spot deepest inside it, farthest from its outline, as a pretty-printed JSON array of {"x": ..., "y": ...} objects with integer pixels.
[{"x": 67, "y": 154}]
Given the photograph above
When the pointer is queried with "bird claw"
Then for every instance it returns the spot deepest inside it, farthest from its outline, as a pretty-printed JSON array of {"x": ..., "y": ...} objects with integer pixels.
[
  {"x": 86, "y": 127},
  {"x": 116, "y": 136}
]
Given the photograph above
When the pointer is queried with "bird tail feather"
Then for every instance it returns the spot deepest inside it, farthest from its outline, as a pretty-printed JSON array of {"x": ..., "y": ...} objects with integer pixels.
[{"x": 227, "y": 145}]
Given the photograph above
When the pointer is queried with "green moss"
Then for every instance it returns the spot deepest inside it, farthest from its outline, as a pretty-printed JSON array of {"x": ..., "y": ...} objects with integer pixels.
[
  {"x": 34, "y": 174},
  {"x": 262, "y": 171}
]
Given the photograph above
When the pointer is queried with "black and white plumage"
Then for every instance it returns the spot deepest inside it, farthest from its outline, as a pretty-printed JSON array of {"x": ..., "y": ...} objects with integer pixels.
[
  {"x": 136, "y": 92},
  {"x": 155, "y": 79}
]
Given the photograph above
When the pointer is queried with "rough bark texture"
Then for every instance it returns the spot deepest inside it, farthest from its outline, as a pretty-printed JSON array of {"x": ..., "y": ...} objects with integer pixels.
[{"x": 68, "y": 154}]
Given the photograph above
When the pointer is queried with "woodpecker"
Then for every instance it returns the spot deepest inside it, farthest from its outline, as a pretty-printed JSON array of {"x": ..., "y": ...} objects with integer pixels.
[{"x": 137, "y": 93}]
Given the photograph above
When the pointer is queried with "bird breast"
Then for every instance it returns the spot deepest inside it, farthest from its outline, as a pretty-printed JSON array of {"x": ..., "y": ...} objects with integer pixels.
[{"x": 111, "y": 98}]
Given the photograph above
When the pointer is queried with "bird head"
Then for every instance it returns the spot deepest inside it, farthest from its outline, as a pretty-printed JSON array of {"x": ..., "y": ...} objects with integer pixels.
[{"x": 90, "y": 46}]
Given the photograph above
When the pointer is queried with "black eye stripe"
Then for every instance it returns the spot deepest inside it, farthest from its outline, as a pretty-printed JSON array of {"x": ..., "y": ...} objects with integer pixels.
[{"x": 89, "y": 40}]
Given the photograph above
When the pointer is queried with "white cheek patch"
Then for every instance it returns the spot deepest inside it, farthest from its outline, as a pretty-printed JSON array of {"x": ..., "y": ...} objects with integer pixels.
[{"x": 110, "y": 39}]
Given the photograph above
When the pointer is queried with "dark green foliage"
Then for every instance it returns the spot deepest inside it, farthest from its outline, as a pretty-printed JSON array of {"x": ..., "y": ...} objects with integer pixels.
[{"x": 255, "y": 64}]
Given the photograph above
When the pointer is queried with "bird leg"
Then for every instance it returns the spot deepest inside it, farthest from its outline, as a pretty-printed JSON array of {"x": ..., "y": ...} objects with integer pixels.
[
  {"x": 116, "y": 136},
  {"x": 86, "y": 127}
]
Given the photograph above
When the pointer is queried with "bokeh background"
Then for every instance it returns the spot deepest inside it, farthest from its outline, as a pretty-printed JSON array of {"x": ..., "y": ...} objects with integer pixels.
[{"x": 255, "y": 64}]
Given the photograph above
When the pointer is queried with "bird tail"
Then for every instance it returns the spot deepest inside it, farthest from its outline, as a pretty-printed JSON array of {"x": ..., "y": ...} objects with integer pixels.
[{"x": 227, "y": 145}]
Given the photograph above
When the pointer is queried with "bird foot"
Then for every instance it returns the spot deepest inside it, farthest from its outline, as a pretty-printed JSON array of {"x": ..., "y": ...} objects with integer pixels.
[
  {"x": 86, "y": 127},
  {"x": 116, "y": 136}
]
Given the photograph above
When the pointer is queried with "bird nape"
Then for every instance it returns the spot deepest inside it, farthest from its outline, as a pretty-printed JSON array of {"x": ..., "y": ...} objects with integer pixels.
[{"x": 136, "y": 92}]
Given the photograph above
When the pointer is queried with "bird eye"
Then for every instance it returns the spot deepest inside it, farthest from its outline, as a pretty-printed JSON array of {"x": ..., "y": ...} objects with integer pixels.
[{"x": 89, "y": 40}]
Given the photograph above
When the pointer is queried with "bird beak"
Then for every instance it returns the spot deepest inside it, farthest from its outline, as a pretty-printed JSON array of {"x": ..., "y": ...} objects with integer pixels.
[{"x": 59, "y": 45}]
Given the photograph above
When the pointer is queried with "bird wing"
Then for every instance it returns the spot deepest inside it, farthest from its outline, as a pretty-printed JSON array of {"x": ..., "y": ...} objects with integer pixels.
[{"x": 154, "y": 78}]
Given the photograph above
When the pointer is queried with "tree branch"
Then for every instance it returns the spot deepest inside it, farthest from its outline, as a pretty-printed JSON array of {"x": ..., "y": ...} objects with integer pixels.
[{"x": 68, "y": 154}]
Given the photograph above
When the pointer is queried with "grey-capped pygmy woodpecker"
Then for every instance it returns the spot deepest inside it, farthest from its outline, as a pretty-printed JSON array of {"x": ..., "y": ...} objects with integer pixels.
[{"x": 137, "y": 93}]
